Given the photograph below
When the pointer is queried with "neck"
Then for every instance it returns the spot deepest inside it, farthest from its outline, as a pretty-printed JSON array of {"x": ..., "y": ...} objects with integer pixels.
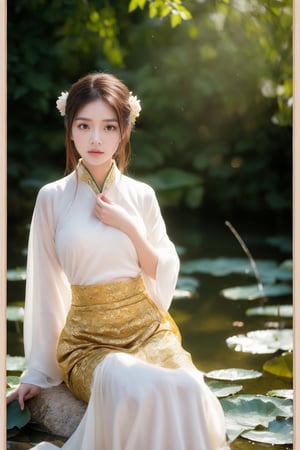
[{"x": 100, "y": 172}]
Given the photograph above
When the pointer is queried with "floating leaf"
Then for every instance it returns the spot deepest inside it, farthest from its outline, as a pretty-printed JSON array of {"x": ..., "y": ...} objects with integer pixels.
[
  {"x": 15, "y": 363},
  {"x": 180, "y": 293},
  {"x": 271, "y": 310},
  {"x": 233, "y": 374},
  {"x": 18, "y": 274},
  {"x": 186, "y": 287},
  {"x": 245, "y": 412},
  {"x": 222, "y": 389},
  {"x": 12, "y": 381},
  {"x": 15, "y": 313},
  {"x": 268, "y": 270},
  {"x": 282, "y": 393},
  {"x": 279, "y": 432},
  {"x": 281, "y": 366},
  {"x": 226, "y": 266},
  {"x": 15, "y": 416},
  {"x": 262, "y": 341},
  {"x": 253, "y": 292}
]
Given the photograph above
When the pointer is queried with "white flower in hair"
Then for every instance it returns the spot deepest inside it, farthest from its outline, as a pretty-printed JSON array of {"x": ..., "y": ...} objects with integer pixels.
[
  {"x": 61, "y": 103},
  {"x": 135, "y": 107}
]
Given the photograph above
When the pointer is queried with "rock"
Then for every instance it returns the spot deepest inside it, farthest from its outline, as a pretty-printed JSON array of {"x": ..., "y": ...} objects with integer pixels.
[{"x": 57, "y": 409}]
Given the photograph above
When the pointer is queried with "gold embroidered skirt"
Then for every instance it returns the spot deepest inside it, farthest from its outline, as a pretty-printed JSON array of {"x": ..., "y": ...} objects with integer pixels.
[{"x": 115, "y": 317}]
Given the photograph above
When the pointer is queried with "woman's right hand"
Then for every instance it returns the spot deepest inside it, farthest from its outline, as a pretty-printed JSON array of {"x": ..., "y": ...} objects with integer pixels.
[{"x": 23, "y": 392}]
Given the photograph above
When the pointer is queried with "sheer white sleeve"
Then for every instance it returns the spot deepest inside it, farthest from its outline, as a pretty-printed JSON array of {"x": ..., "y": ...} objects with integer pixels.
[
  {"x": 163, "y": 287},
  {"x": 47, "y": 296}
]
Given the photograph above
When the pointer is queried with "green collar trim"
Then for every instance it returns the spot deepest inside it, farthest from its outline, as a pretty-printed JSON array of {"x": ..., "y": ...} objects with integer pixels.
[{"x": 86, "y": 176}]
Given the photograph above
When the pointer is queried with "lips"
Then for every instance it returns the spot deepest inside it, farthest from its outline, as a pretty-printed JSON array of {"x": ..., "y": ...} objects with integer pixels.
[{"x": 95, "y": 152}]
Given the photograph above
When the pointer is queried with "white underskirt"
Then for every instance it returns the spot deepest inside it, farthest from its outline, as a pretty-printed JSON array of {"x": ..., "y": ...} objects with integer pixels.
[{"x": 138, "y": 406}]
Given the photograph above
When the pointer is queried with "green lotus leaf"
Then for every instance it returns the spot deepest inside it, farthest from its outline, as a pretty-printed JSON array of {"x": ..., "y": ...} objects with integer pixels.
[
  {"x": 223, "y": 389},
  {"x": 12, "y": 381},
  {"x": 262, "y": 341},
  {"x": 18, "y": 274},
  {"x": 226, "y": 266},
  {"x": 271, "y": 310},
  {"x": 15, "y": 363},
  {"x": 281, "y": 366},
  {"x": 282, "y": 393},
  {"x": 246, "y": 412},
  {"x": 233, "y": 374},
  {"x": 279, "y": 432},
  {"x": 15, "y": 313},
  {"x": 268, "y": 270},
  {"x": 15, "y": 416}
]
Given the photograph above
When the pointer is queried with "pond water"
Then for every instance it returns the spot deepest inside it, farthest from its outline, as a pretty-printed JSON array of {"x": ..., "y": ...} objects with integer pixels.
[{"x": 206, "y": 319}]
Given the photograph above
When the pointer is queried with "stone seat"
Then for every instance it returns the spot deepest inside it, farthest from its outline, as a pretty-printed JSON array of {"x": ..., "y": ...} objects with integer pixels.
[{"x": 57, "y": 409}]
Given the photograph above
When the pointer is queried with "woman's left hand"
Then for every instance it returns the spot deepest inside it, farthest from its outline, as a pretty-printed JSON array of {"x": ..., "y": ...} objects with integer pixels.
[{"x": 112, "y": 214}]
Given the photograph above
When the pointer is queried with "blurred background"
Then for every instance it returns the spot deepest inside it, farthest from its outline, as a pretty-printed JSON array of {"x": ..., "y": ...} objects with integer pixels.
[{"x": 215, "y": 133}]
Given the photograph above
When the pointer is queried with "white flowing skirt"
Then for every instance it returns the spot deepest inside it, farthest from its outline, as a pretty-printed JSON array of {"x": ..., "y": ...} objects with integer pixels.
[{"x": 135, "y": 405}]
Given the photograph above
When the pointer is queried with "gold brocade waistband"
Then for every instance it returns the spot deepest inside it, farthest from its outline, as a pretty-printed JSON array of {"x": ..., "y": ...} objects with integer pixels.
[{"x": 96, "y": 294}]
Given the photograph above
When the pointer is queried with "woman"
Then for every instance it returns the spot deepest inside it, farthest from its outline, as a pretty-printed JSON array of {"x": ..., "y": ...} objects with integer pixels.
[{"x": 101, "y": 274}]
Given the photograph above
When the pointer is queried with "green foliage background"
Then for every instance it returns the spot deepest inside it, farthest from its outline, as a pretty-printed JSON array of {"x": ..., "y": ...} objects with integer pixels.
[{"x": 215, "y": 82}]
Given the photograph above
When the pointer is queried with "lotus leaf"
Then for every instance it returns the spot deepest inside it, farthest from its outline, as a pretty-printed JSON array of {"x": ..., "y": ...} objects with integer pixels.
[
  {"x": 233, "y": 374},
  {"x": 16, "y": 274},
  {"x": 281, "y": 366},
  {"x": 180, "y": 293},
  {"x": 253, "y": 292},
  {"x": 15, "y": 363},
  {"x": 262, "y": 341},
  {"x": 15, "y": 416},
  {"x": 12, "y": 381},
  {"x": 268, "y": 270},
  {"x": 188, "y": 283},
  {"x": 282, "y": 393},
  {"x": 223, "y": 389},
  {"x": 271, "y": 310},
  {"x": 279, "y": 432},
  {"x": 246, "y": 412},
  {"x": 15, "y": 313}
]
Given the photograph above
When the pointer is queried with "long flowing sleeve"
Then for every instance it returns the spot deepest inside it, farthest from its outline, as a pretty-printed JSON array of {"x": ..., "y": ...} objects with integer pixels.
[
  {"x": 47, "y": 295},
  {"x": 163, "y": 287}
]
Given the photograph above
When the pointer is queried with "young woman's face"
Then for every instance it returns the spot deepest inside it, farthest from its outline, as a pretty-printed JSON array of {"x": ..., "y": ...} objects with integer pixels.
[{"x": 96, "y": 133}]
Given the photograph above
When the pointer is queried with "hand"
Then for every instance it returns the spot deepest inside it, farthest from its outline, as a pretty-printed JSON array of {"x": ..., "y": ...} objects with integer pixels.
[
  {"x": 23, "y": 392},
  {"x": 112, "y": 214}
]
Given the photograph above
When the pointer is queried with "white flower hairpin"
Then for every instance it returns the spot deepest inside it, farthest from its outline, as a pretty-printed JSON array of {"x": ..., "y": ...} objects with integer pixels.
[
  {"x": 61, "y": 103},
  {"x": 133, "y": 102},
  {"x": 135, "y": 106}
]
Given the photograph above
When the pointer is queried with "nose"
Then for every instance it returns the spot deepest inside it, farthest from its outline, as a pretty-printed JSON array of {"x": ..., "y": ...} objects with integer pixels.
[{"x": 95, "y": 138}]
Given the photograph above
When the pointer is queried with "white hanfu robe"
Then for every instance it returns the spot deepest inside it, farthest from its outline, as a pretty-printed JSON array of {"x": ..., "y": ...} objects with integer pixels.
[{"x": 134, "y": 405}]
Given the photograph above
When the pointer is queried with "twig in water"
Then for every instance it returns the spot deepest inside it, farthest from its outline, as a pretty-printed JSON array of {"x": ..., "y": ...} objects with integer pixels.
[{"x": 247, "y": 251}]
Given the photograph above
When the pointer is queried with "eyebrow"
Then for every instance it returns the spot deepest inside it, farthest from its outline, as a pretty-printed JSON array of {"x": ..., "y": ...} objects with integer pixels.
[{"x": 90, "y": 120}]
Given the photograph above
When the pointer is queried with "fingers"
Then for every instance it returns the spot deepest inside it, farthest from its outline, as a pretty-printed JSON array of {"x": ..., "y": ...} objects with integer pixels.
[
  {"x": 21, "y": 401},
  {"x": 105, "y": 199},
  {"x": 16, "y": 394}
]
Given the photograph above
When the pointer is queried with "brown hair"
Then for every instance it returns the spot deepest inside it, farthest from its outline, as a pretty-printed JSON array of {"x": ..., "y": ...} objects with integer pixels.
[{"x": 110, "y": 89}]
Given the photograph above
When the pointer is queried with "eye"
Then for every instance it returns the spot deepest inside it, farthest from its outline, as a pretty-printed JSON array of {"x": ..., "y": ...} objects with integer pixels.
[
  {"x": 82, "y": 126},
  {"x": 110, "y": 128}
]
